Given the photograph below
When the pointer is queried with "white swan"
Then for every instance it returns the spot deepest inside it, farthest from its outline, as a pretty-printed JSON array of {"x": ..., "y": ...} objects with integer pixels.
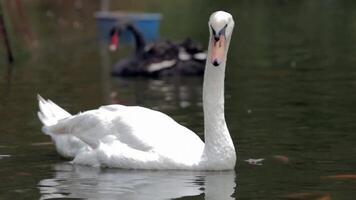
[{"x": 141, "y": 138}]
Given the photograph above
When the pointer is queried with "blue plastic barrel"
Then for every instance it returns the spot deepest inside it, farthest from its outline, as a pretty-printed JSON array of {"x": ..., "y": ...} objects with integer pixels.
[{"x": 147, "y": 23}]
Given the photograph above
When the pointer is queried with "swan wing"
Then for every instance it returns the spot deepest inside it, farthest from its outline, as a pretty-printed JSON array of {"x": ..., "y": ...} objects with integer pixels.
[
  {"x": 142, "y": 127},
  {"x": 139, "y": 128}
]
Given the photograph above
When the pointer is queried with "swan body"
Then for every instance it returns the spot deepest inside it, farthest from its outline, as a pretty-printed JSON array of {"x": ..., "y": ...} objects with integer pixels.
[{"x": 134, "y": 137}]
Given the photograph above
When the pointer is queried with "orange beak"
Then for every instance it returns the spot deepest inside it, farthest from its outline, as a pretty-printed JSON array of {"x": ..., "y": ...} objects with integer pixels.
[
  {"x": 217, "y": 55},
  {"x": 114, "y": 43}
]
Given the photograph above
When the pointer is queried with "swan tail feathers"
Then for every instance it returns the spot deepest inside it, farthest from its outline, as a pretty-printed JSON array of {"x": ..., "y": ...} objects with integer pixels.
[{"x": 50, "y": 113}]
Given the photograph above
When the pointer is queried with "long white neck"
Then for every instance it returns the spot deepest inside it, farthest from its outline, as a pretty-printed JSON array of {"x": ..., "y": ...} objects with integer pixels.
[{"x": 219, "y": 149}]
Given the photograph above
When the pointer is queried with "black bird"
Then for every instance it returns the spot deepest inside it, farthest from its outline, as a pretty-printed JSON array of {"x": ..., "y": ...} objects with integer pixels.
[{"x": 161, "y": 58}]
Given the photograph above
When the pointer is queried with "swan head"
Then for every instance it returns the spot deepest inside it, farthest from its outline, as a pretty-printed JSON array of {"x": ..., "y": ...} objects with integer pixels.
[
  {"x": 115, "y": 33},
  {"x": 221, "y": 25}
]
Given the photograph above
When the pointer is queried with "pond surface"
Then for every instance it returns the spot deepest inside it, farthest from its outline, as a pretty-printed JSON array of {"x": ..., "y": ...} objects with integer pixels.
[{"x": 290, "y": 101}]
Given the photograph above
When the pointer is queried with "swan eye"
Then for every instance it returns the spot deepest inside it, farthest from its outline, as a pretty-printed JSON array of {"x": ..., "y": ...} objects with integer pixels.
[
  {"x": 223, "y": 30},
  {"x": 212, "y": 30}
]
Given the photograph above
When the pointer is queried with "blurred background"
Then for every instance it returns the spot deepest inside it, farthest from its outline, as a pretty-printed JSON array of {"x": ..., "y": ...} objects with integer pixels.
[{"x": 290, "y": 96}]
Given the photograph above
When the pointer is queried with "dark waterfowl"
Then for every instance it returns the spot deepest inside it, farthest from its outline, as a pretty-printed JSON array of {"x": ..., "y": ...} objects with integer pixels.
[{"x": 161, "y": 58}]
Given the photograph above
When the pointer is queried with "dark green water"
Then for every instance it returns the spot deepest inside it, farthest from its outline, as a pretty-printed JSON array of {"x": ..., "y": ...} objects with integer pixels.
[{"x": 290, "y": 99}]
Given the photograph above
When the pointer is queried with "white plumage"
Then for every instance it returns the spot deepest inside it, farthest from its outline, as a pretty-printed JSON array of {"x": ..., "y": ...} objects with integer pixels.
[{"x": 140, "y": 138}]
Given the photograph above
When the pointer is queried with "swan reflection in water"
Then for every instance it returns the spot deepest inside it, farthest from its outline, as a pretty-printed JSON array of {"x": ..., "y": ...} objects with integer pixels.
[
  {"x": 165, "y": 94},
  {"x": 83, "y": 182}
]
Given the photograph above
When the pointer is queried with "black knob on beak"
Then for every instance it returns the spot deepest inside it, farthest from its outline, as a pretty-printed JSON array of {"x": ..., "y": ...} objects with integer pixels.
[{"x": 216, "y": 38}]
